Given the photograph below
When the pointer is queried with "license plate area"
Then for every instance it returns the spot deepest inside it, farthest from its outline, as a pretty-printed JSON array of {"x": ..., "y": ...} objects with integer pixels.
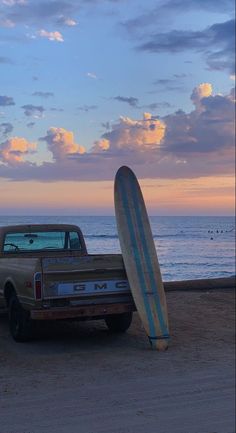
[{"x": 77, "y": 288}]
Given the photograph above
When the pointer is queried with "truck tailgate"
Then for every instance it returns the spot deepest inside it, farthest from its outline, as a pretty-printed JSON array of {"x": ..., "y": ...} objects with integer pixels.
[{"x": 91, "y": 275}]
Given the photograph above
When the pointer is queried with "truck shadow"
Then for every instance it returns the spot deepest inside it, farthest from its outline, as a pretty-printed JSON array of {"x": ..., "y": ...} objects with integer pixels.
[{"x": 64, "y": 335}]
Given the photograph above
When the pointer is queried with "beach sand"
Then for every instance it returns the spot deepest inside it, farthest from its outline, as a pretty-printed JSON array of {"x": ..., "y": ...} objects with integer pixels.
[{"x": 77, "y": 377}]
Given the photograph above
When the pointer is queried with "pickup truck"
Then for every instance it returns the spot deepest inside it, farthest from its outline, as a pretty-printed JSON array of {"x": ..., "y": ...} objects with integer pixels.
[{"x": 46, "y": 273}]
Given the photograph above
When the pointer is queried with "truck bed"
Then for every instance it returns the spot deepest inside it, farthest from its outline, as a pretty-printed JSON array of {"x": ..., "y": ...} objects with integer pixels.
[{"x": 47, "y": 273}]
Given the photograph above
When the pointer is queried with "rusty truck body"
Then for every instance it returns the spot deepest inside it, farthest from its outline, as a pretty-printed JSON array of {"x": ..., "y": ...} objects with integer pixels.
[{"x": 46, "y": 273}]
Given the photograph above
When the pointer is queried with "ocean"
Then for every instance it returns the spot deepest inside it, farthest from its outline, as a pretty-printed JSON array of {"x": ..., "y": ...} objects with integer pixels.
[{"x": 187, "y": 247}]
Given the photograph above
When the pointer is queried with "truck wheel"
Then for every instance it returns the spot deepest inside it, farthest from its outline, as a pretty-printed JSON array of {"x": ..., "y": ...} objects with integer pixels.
[
  {"x": 19, "y": 321},
  {"x": 119, "y": 322}
]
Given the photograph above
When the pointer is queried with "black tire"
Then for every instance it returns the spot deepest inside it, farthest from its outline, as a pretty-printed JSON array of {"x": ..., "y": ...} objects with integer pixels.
[
  {"x": 20, "y": 323},
  {"x": 119, "y": 322}
]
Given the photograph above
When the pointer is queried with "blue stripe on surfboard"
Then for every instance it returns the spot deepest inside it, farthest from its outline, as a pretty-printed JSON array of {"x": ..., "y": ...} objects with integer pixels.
[
  {"x": 147, "y": 258},
  {"x": 137, "y": 258}
]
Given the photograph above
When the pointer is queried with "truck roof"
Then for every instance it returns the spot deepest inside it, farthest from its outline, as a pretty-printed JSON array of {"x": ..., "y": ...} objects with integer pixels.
[{"x": 38, "y": 228}]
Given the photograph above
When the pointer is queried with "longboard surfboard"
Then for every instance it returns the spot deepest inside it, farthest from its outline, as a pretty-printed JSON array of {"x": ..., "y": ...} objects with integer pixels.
[{"x": 140, "y": 257}]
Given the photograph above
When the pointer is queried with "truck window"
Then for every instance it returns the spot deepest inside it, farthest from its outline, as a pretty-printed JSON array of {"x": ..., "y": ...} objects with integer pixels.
[
  {"x": 52, "y": 240},
  {"x": 74, "y": 241}
]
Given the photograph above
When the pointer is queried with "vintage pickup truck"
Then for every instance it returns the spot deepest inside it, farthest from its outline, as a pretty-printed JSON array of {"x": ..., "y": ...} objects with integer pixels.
[{"x": 46, "y": 273}]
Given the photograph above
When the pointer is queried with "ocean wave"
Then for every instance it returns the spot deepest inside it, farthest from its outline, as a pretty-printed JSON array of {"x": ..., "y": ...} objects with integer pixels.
[
  {"x": 104, "y": 236},
  {"x": 101, "y": 236},
  {"x": 155, "y": 236}
]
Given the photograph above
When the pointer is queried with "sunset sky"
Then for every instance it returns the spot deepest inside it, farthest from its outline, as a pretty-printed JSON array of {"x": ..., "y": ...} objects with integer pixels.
[{"x": 89, "y": 85}]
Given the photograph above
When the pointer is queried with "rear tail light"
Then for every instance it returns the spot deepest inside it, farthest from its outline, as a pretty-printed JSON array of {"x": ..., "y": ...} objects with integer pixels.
[{"x": 38, "y": 286}]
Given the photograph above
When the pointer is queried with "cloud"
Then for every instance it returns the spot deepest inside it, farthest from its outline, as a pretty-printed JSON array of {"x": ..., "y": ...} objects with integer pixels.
[
  {"x": 209, "y": 128},
  {"x": 216, "y": 42},
  {"x": 166, "y": 11},
  {"x": 43, "y": 94},
  {"x": 102, "y": 144},
  {"x": 61, "y": 143},
  {"x": 51, "y": 36},
  {"x": 14, "y": 150},
  {"x": 134, "y": 135},
  {"x": 14, "y": 2},
  {"x": 179, "y": 145},
  {"x": 106, "y": 125},
  {"x": 39, "y": 12},
  {"x": 171, "y": 84},
  {"x": 208, "y": 5},
  {"x": 35, "y": 111},
  {"x": 7, "y": 23},
  {"x": 157, "y": 105},
  {"x": 56, "y": 109},
  {"x": 30, "y": 124},
  {"x": 87, "y": 108},
  {"x": 164, "y": 81},
  {"x": 183, "y": 75},
  {"x": 133, "y": 102},
  {"x": 92, "y": 75},
  {"x": 204, "y": 90},
  {"x": 5, "y": 60},
  {"x": 66, "y": 21},
  {"x": 168, "y": 85},
  {"x": 6, "y": 101},
  {"x": 6, "y": 128}
]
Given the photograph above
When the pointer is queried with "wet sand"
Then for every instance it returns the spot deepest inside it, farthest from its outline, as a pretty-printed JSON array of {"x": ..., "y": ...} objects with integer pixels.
[{"x": 77, "y": 377}]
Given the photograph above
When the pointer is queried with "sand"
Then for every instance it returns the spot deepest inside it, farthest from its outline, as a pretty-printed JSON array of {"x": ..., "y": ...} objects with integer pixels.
[{"x": 77, "y": 377}]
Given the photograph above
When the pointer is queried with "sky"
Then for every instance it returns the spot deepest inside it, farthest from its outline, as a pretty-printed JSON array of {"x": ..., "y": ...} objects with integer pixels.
[{"x": 87, "y": 86}]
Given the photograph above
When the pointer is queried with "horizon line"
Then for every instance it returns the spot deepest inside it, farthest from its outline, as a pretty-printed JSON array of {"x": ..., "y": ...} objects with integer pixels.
[{"x": 107, "y": 215}]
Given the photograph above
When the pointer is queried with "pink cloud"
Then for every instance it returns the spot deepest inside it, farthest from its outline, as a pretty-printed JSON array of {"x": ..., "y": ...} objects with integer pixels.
[
  {"x": 204, "y": 90},
  {"x": 180, "y": 145},
  {"x": 14, "y": 2},
  {"x": 137, "y": 135},
  {"x": 209, "y": 128},
  {"x": 51, "y": 36},
  {"x": 61, "y": 143},
  {"x": 14, "y": 150}
]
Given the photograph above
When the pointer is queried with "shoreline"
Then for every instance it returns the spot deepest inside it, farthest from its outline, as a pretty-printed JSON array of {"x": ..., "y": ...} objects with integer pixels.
[{"x": 224, "y": 283}]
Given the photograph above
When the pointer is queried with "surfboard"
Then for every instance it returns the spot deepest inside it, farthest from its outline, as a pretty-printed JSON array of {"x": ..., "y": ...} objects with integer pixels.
[{"x": 140, "y": 257}]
